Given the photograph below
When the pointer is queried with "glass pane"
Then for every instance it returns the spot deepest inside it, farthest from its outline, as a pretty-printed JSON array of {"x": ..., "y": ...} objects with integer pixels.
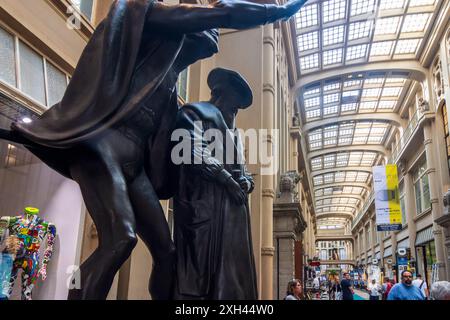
[
  {"x": 57, "y": 83},
  {"x": 84, "y": 6},
  {"x": 32, "y": 73},
  {"x": 7, "y": 58},
  {"x": 426, "y": 193}
]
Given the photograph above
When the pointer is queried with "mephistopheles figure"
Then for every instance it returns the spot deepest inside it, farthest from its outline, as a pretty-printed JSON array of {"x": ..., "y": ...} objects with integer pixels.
[
  {"x": 29, "y": 230},
  {"x": 111, "y": 131}
]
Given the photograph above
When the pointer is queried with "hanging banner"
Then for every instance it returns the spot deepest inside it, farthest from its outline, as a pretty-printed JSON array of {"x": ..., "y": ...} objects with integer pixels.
[{"x": 387, "y": 201}]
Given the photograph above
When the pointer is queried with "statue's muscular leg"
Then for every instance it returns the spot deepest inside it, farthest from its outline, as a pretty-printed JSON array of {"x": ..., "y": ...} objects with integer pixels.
[
  {"x": 106, "y": 198},
  {"x": 152, "y": 227}
]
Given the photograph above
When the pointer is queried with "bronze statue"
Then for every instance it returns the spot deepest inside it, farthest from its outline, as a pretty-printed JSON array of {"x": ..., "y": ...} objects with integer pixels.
[
  {"x": 111, "y": 131},
  {"x": 212, "y": 220}
]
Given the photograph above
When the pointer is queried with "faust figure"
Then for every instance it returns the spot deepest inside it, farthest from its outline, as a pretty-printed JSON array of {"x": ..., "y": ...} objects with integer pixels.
[{"x": 111, "y": 131}]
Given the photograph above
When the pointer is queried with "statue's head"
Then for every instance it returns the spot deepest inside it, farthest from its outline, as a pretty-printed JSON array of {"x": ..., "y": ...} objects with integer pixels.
[{"x": 230, "y": 89}]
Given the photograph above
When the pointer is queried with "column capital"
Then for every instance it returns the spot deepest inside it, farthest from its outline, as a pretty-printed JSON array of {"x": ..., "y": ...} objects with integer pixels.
[{"x": 427, "y": 141}]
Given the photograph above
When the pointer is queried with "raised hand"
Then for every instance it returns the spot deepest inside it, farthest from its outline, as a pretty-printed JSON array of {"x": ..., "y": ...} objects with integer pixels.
[{"x": 292, "y": 7}]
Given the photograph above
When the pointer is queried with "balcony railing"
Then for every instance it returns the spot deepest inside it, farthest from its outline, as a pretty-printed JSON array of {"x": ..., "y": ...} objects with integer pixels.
[
  {"x": 363, "y": 209},
  {"x": 407, "y": 133}
]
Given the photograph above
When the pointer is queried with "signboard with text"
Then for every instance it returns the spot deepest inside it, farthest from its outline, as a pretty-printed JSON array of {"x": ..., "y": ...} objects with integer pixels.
[{"x": 387, "y": 201}]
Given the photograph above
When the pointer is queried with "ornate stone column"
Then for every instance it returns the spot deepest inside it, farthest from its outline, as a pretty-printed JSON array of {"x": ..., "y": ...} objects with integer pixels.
[
  {"x": 289, "y": 225},
  {"x": 268, "y": 193},
  {"x": 432, "y": 178}
]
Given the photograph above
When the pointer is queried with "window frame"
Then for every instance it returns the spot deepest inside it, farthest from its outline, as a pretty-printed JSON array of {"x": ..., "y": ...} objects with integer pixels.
[{"x": 17, "y": 61}]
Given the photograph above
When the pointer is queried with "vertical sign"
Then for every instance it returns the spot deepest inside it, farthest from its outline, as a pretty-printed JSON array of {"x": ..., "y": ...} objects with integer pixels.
[{"x": 387, "y": 201}]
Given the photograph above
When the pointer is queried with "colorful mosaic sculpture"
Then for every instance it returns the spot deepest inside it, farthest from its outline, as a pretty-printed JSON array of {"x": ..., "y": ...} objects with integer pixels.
[{"x": 27, "y": 232}]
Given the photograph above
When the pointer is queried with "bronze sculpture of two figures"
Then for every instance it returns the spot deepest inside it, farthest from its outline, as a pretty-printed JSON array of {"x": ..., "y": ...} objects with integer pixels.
[{"x": 111, "y": 133}]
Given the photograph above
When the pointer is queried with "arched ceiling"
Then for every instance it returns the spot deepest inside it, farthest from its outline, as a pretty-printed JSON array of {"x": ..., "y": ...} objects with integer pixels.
[{"x": 358, "y": 59}]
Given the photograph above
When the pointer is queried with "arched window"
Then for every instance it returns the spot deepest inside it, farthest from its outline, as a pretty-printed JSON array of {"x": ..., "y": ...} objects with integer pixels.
[{"x": 447, "y": 136}]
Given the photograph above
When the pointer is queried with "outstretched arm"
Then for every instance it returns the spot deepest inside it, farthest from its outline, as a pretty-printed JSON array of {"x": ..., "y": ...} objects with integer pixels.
[{"x": 233, "y": 14}]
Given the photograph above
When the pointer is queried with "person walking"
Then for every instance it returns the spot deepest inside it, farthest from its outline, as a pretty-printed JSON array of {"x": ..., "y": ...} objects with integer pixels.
[
  {"x": 374, "y": 290},
  {"x": 405, "y": 290},
  {"x": 347, "y": 288},
  {"x": 336, "y": 289},
  {"x": 294, "y": 290},
  {"x": 422, "y": 285},
  {"x": 386, "y": 288}
]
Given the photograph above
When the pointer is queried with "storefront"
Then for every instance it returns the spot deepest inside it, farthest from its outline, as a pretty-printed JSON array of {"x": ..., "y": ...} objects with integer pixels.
[{"x": 425, "y": 253}]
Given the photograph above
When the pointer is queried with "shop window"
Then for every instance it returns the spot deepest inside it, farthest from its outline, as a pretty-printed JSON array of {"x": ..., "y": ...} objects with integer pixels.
[
  {"x": 447, "y": 136},
  {"x": 85, "y": 7},
  {"x": 182, "y": 85},
  {"x": 421, "y": 186},
  {"x": 37, "y": 78}
]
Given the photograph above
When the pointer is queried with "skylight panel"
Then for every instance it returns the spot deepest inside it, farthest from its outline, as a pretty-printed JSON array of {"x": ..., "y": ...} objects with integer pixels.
[
  {"x": 372, "y": 81},
  {"x": 312, "y": 102},
  {"x": 345, "y": 141},
  {"x": 375, "y": 139},
  {"x": 334, "y": 10},
  {"x": 316, "y": 163},
  {"x": 387, "y": 104},
  {"x": 419, "y": 3},
  {"x": 333, "y": 35},
  {"x": 408, "y": 46},
  {"x": 352, "y": 93},
  {"x": 415, "y": 22},
  {"x": 318, "y": 193},
  {"x": 307, "y": 16},
  {"x": 339, "y": 176},
  {"x": 327, "y": 191},
  {"x": 358, "y": 30},
  {"x": 332, "y": 56},
  {"x": 387, "y": 25},
  {"x": 330, "y": 110},
  {"x": 391, "y": 91},
  {"x": 352, "y": 83},
  {"x": 308, "y": 41},
  {"x": 348, "y": 107},
  {"x": 331, "y": 98},
  {"x": 368, "y": 105},
  {"x": 383, "y": 48},
  {"x": 356, "y": 52},
  {"x": 361, "y": 7},
  {"x": 395, "y": 80},
  {"x": 313, "y": 114},
  {"x": 332, "y": 86},
  {"x": 328, "y": 178},
  {"x": 311, "y": 92},
  {"x": 391, "y": 4},
  {"x": 309, "y": 62},
  {"x": 329, "y": 161},
  {"x": 371, "y": 93},
  {"x": 362, "y": 177},
  {"x": 318, "y": 180}
]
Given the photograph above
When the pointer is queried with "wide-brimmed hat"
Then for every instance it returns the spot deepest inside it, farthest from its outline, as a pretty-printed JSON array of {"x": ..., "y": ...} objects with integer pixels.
[{"x": 220, "y": 77}]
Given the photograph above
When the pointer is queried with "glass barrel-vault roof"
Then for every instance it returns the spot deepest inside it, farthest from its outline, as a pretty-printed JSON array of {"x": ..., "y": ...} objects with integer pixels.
[{"x": 336, "y": 33}]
